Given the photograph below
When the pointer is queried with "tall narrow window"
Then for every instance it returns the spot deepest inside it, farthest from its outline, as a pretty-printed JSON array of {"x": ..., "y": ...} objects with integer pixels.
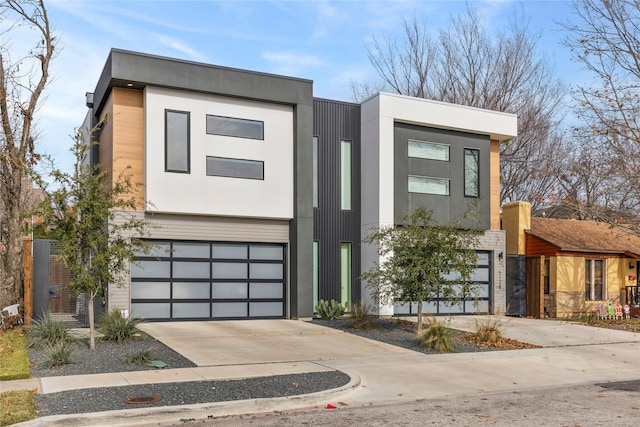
[
  {"x": 345, "y": 175},
  {"x": 176, "y": 141},
  {"x": 594, "y": 288},
  {"x": 315, "y": 173},
  {"x": 471, "y": 172},
  {"x": 345, "y": 273},
  {"x": 315, "y": 274},
  {"x": 547, "y": 272}
]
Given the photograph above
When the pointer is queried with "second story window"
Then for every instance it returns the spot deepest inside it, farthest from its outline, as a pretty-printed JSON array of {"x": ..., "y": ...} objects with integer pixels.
[
  {"x": 428, "y": 185},
  {"x": 231, "y": 126},
  {"x": 315, "y": 172},
  {"x": 235, "y": 168},
  {"x": 428, "y": 150},
  {"x": 471, "y": 172},
  {"x": 177, "y": 142},
  {"x": 345, "y": 175}
]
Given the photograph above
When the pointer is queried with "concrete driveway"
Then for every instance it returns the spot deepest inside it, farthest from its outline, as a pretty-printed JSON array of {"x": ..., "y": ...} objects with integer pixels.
[
  {"x": 243, "y": 342},
  {"x": 573, "y": 354}
]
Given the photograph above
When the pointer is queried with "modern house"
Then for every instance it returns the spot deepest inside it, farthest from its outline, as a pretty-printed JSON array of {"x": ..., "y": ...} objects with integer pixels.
[
  {"x": 260, "y": 192},
  {"x": 572, "y": 265}
]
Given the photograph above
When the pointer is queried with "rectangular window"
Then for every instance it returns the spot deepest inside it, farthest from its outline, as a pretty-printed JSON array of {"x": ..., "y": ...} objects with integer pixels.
[
  {"x": 428, "y": 150},
  {"x": 471, "y": 172},
  {"x": 547, "y": 271},
  {"x": 594, "y": 289},
  {"x": 345, "y": 273},
  {"x": 426, "y": 185},
  {"x": 345, "y": 175},
  {"x": 230, "y": 126},
  {"x": 315, "y": 172},
  {"x": 235, "y": 168},
  {"x": 176, "y": 141}
]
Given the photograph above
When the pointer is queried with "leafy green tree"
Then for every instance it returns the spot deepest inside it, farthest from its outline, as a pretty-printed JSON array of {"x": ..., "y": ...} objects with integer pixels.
[
  {"x": 418, "y": 260},
  {"x": 95, "y": 222}
]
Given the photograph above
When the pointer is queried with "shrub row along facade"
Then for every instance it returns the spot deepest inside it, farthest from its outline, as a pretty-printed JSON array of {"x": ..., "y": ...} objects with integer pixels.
[{"x": 259, "y": 193}]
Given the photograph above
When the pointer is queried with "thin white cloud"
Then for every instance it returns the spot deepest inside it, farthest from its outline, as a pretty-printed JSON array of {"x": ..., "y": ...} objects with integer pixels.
[
  {"x": 291, "y": 63},
  {"x": 180, "y": 46}
]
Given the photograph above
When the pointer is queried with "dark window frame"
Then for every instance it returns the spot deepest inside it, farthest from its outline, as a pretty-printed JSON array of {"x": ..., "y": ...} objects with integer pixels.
[
  {"x": 166, "y": 141},
  {"x": 248, "y": 260},
  {"x": 439, "y": 144},
  {"x": 467, "y": 192},
  {"x": 261, "y": 162},
  {"x": 435, "y": 178},
  {"x": 547, "y": 274},
  {"x": 234, "y": 119}
]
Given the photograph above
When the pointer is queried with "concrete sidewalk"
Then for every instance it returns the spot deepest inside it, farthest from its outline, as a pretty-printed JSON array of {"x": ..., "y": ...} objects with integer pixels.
[{"x": 381, "y": 373}]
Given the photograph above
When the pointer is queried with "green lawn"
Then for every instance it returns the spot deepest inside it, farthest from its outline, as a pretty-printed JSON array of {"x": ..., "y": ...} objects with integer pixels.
[
  {"x": 13, "y": 352},
  {"x": 15, "y": 406}
]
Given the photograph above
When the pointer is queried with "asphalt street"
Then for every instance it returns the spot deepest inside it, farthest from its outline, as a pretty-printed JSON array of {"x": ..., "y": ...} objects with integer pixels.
[{"x": 615, "y": 404}]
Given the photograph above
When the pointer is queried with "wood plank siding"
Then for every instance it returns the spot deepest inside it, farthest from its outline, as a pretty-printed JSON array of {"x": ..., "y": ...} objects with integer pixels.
[
  {"x": 122, "y": 139},
  {"x": 535, "y": 246}
]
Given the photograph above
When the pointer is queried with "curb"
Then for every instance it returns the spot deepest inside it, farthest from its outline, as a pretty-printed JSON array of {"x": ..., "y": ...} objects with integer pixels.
[{"x": 196, "y": 413}]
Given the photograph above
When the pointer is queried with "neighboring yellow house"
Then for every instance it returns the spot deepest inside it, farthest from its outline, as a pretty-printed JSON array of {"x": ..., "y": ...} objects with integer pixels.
[{"x": 572, "y": 265}]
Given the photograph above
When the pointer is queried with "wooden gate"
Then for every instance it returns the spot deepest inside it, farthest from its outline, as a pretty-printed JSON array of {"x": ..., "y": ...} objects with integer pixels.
[
  {"x": 535, "y": 287},
  {"x": 51, "y": 295}
]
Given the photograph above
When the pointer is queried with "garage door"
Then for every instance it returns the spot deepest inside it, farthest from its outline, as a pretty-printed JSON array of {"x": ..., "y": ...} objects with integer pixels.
[
  {"x": 209, "y": 280},
  {"x": 477, "y": 302}
]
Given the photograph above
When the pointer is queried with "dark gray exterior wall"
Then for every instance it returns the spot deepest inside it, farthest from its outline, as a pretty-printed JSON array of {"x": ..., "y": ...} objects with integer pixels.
[
  {"x": 41, "y": 255},
  {"x": 140, "y": 70},
  {"x": 445, "y": 208},
  {"x": 335, "y": 121}
]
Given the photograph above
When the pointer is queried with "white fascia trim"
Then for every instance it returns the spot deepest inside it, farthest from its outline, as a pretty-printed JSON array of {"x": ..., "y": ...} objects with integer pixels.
[{"x": 443, "y": 115}]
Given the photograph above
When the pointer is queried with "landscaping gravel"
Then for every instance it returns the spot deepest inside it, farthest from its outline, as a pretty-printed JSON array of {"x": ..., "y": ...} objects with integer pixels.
[
  {"x": 110, "y": 357},
  {"x": 187, "y": 393},
  {"x": 401, "y": 334},
  {"x": 107, "y": 357}
]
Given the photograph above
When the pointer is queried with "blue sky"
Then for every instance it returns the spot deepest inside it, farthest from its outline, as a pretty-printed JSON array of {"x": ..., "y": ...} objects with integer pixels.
[{"x": 325, "y": 41}]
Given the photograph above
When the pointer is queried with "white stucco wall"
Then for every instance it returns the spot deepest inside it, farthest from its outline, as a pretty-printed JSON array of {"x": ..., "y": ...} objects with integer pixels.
[{"x": 197, "y": 193}]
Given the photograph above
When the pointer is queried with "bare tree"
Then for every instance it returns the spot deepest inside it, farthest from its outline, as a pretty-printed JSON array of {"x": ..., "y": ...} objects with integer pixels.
[
  {"x": 23, "y": 77},
  {"x": 469, "y": 64},
  {"x": 604, "y": 37}
]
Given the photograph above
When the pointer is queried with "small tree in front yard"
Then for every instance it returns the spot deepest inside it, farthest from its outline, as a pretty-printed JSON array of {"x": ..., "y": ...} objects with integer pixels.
[
  {"x": 93, "y": 219},
  {"x": 422, "y": 260}
]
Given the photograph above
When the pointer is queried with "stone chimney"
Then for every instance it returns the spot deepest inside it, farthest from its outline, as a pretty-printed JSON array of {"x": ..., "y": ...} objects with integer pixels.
[{"x": 516, "y": 217}]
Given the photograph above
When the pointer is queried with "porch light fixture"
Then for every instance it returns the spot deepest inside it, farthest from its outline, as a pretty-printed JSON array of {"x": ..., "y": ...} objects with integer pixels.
[
  {"x": 631, "y": 266},
  {"x": 500, "y": 256}
]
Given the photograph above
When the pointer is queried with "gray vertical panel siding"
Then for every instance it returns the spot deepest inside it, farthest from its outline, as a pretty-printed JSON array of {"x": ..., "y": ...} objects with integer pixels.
[{"x": 335, "y": 121}]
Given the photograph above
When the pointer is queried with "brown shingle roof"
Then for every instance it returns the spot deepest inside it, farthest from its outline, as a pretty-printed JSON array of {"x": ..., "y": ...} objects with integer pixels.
[{"x": 585, "y": 236}]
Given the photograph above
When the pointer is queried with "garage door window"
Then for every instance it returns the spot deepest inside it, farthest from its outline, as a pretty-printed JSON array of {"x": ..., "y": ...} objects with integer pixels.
[
  {"x": 476, "y": 301},
  {"x": 209, "y": 280}
]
